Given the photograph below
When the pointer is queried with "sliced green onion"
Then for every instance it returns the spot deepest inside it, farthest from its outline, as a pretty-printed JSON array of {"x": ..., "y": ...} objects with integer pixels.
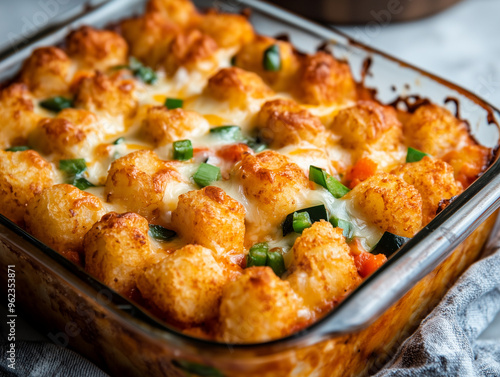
[
  {"x": 388, "y": 244},
  {"x": 160, "y": 233},
  {"x": 301, "y": 221},
  {"x": 414, "y": 155},
  {"x": 119, "y": 141},
  {"x": 197, "y": 369},
  {"x": 183, "y": 150},
  {"x": 271, "y": 61},
  {"x": 322, "y": 178},
  {"x": 257, "y": 255},
  {"x": 73, "y": 166},
  {"x": 346, "y": 226},
  {"x": 19, "y": 148},
  {"x": 317, "y": 175},
  {"x": 256, "y": 146},
  {"x": 145, "y": 74},
  {"x": 206, "y": 174},
  {"x": 174, "y": 103},
  {"x": 231, "y": 133},
  {"x": 82, "y": 183},
  {"x": 56, "y": 104},
  {"x": 316, "y": 213},
  {"x": 276, "y": 262}
]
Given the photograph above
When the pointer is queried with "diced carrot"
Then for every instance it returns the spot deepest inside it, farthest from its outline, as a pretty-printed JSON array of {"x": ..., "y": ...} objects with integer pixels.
[
  {"x": 367, "y": 263},
  {"x": 234, "y": 152},
  {"x": 362, "y": 170}
]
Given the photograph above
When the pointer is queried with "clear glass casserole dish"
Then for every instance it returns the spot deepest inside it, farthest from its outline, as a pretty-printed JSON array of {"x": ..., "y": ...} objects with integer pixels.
[{"x": 355, "y": 337}]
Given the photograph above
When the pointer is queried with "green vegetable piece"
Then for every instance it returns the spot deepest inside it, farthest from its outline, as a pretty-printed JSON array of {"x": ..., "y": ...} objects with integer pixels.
[
  {"x": 233, "y": 61},
  {"x": 174, "y": 103},
  {"x": 206, "y": 174},
  {"x": 19, "y": 148},
  {"x": 337, "y": 189},
  {"x": 276, "y": 262},
  {"x": 256, "y": 145},
  {"x": 316, "y": 213},
  {"x": 183, "y": 150},
  {"x": 345, "y": 225},
  {"x": 160, "y": 233},
  {"x": 388, "y": 244},
  {"x": 197, "y": 369},
  {"x": 231, "y": 133},
  {"x": 317, "y": 175},
  {"x": 271, "y": 60},
  {"x": 414, "y": 155},
  {"x": 301, "y": 221},
  {"x": 56, "y": 104},
  {"x": 120, "y": 140},
  {"x": 143, "y": 73},
  {"x": 82, "y": 183},
  {"x": 257, "y": 255},
  {"x": 73, "y": 166}
]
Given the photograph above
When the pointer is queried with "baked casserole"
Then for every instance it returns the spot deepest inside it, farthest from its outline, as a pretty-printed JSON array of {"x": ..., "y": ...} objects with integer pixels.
[{"x": 235, "y": 187}]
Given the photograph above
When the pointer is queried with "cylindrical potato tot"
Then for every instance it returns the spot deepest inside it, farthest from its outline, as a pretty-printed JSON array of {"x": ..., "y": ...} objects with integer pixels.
[
  {"x": 283, "y": 122},
  {"x": 468, "y": 162},
  {"x": 323, "y": 80},
  {"x": 61, "y": 215},
  {"x": 434, "y": 130},
  {"x": 181, "y": 12},
  {"x": 434, "y": 180},
  {"x": 258, "y": 306},
  {"x": 186, "y": 285},
  {"x": 17, "y": 117},
  {"x": 97, "y": 49},
  {"x": 322, "y": 271},
  {"x": 389, "y": 203},
  {"x": 163, "y": 126},
  {"x": 46, "y": 71},
  {"x": 138, "y": 182},
  {"x": 228, "y": 30},
  {"x": 22, "y": 176},
  {"x": 117, "y": 249},
  {"x": 211, "y": 218}
]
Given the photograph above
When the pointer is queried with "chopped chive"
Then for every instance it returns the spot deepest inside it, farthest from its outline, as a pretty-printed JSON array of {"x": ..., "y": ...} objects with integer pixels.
[
  {"x": 183, "y": 150},
  {"x": 174, "y": 103},
  {"x": 316, "y": 213},
  {"x": 227, "y": 132},
  {"x": 82, "y": 183},
  {"x": 414, "y": 155},
  {"x": 346, "y": 226},
  {"x": 119, "y": 141},
  {"x": 56, "y": 104},
  {"x": 197, "y": 369},
  {"x": 301, "y": 221},
  {"x": 317, "y": 175},
  {"x": 271, "y": 61},
  {"x": 257, "y": 255},
  {"x": 73, "y": 166},
  {"x": 19, "y": 148},
  {"x": 276, "y": 262},
  {"x": 206, "y": 174},
  {"x": 160, "y": 233},
  {"x": 322, "y": 178}
]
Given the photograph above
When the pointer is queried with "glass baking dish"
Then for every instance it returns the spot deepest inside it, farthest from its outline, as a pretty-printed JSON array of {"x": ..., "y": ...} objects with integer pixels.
[{"x": 357, "y": 336}]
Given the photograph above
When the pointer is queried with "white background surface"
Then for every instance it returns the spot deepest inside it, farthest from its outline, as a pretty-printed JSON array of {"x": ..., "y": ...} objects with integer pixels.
[{"x": 461, "y": 45}]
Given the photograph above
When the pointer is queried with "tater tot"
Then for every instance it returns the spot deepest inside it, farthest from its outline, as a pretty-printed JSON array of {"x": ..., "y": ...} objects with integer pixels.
[
  {"x": 149, "y": 37},
  {"x": 389, "y": 203},
  {"x": 117, "y": 249},
  {"x": 228, "y": 30},
  {"x": 322, "y": 271},
  {"x": 468, "y": 162},
  {"x": 191, "y": 50},
  {"x": 236, "y": 86},
  {"x": 323, "y": 80},
  {"x": 186, "y": 285},
  {"x": 17, "y": 117},
  {"x": 211, "y": 218},
  {"x": 112, "y": 95},
  {"x": 368, "y": 125},
  {"x": 163, "y": 126},
  {"x": 434, "y": 180},
  {"x": 73, "y": 133},
  {"x": 251, "y": 58},
  {"x": 46, "y": 72},
  {"x": 22, "y": 176},
  {"x": 272, "y": 183},
  {"x": 283, "y": 122},
  {"x": 181, "y": 12},
  {"x": 138, "y": 182},
  {"x": 258, "y": 306},
  {"x": 97, "y": 49},
  {"x": 434, "y": 130},
  {"x": 61, "y": 215}
]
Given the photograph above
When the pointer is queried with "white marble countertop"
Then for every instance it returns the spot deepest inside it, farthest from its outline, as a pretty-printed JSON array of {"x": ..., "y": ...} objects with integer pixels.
[{"x": 460, "y": 44}]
